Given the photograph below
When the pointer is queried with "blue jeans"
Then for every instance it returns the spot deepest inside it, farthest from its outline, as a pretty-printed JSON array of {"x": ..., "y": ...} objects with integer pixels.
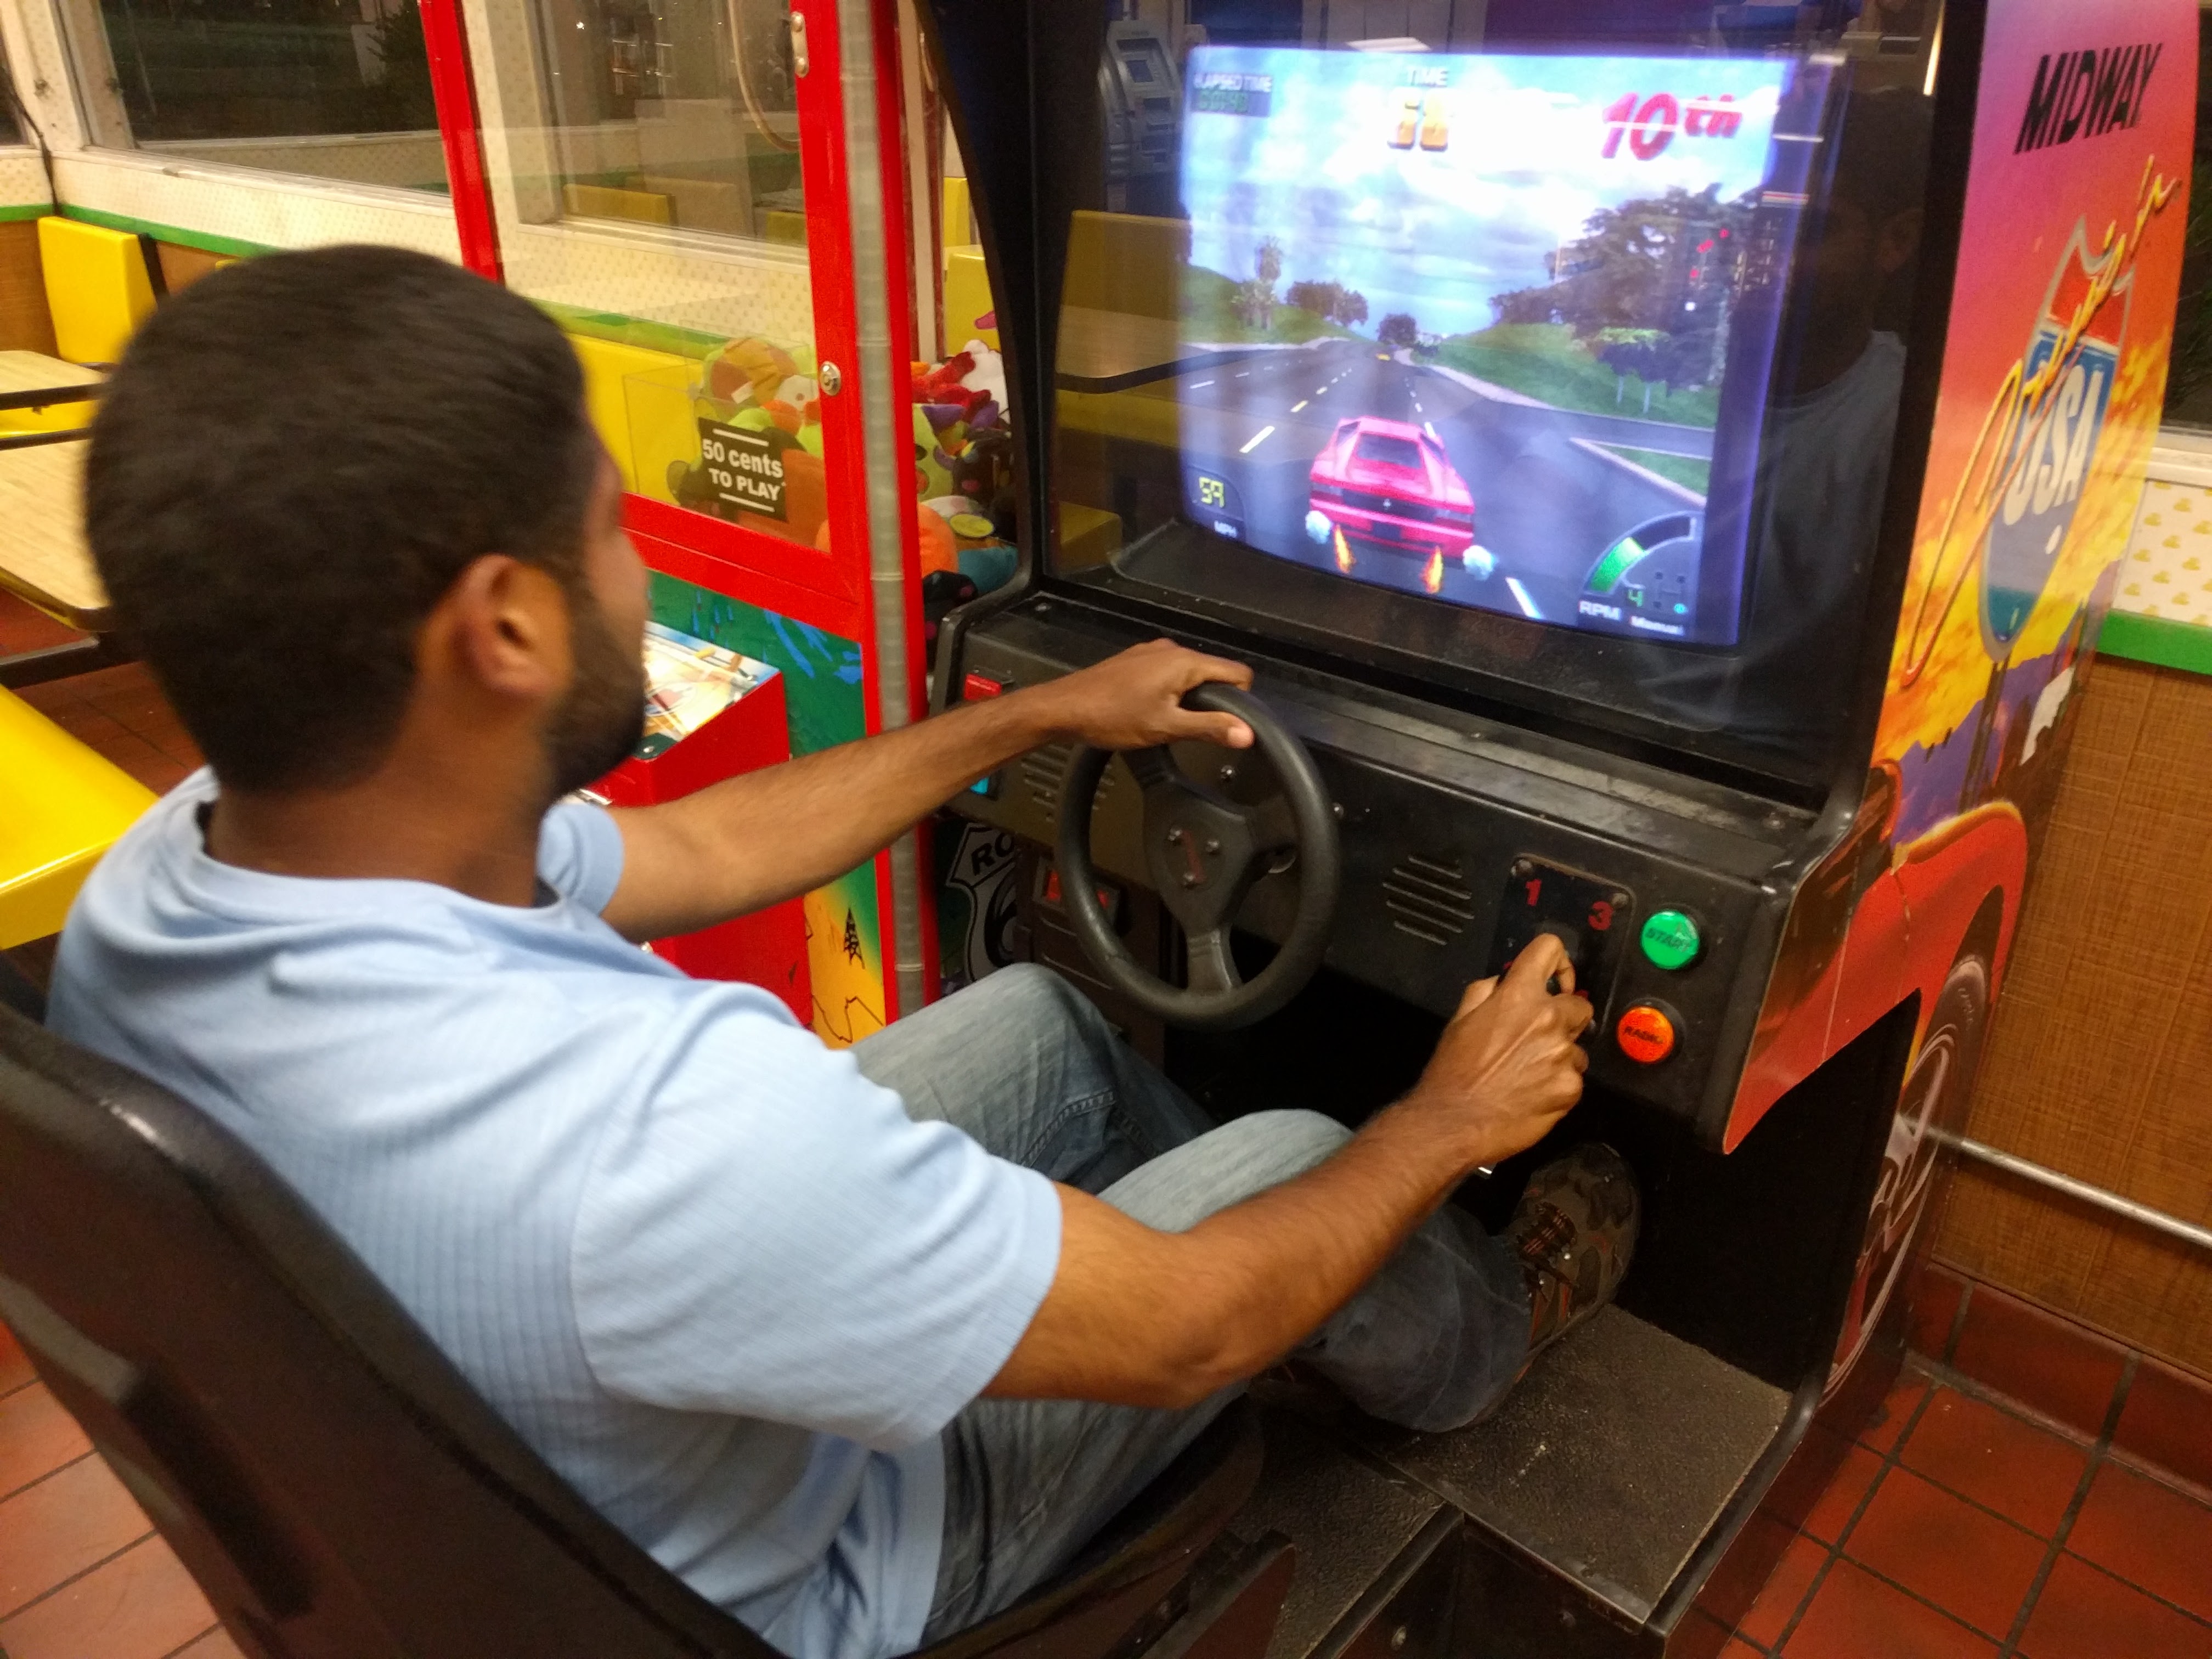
[{"x": 1027, "y": 1066}]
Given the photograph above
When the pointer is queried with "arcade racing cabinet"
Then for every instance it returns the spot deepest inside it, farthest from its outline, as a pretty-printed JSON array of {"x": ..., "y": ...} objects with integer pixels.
[{"x": 1664, "y": 464}]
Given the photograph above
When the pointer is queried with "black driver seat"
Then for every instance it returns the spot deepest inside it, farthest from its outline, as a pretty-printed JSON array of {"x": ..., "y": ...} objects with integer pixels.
[{"x": 327, "y": 1474}]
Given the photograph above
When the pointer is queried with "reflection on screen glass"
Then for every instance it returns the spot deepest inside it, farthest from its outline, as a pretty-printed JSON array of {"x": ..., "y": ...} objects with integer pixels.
[{"x": 1495, "y": 329}]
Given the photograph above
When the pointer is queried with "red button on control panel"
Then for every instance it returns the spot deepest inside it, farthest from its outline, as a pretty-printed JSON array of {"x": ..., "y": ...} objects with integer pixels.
[
  {"x": 1645, "y": 1034},
  {"x": 976, "y": 687}
]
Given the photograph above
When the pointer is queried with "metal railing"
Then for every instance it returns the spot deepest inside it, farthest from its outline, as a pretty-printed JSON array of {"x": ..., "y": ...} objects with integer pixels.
[{"x": 2187, "y": 1232}]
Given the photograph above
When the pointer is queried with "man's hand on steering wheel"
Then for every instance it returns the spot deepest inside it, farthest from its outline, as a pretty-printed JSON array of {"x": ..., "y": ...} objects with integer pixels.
[{"x": 1135, "y": 700}]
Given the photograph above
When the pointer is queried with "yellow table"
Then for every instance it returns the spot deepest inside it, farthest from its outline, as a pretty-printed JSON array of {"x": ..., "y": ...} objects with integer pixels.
[
  {"x": 26, "y": 375},
  {"x": 66, "y": 806},
  {"x": 44, "y": 557},
  {"x": 1113, "y": 350}
]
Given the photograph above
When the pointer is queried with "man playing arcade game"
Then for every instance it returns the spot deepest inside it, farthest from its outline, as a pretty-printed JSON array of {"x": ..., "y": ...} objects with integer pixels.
[{"x": 862, "y": 1344}]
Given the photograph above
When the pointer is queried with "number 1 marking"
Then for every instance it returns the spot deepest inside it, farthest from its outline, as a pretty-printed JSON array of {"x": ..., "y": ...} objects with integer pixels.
[{"x": 1617, "y": 114}]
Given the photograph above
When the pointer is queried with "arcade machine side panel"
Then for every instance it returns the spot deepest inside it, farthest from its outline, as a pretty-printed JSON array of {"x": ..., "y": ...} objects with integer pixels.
[
  {"x": 713, "y": 713},
  {"x": 2053, "y": 372}
]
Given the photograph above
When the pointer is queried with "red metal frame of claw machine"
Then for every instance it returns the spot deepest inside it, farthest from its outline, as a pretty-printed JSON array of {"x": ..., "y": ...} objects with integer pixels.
[{"x": 865, "y": 586}]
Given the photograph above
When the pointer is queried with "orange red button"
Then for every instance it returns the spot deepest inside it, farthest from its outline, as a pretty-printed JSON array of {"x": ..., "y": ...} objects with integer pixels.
[{"x": 1645, "y": 1034}]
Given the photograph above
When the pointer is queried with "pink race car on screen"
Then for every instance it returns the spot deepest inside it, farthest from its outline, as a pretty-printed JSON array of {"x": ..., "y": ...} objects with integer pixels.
[{"x": 1390, "y": 483}]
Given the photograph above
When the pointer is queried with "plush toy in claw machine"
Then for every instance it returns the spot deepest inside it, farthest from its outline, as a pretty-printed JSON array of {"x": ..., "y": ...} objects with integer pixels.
[
  {"x": 964, "y": 466},
  {"x": 760, "y": 435},
  {"x": 711, "y": 713},
  {"x": 962, "y": 475},
  {"x": 963, "y": 444}
]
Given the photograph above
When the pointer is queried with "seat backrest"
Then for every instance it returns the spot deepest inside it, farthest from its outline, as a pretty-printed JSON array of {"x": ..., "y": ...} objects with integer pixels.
[
  {"x": 98, "y": 287},
  {"x": 335, "y": 1486}
]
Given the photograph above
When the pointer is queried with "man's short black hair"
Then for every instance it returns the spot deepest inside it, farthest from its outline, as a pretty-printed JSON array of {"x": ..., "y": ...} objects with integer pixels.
[{"x": 296, "y": 458}]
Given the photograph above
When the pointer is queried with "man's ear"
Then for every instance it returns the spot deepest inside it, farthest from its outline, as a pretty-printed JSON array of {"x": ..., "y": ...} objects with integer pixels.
[{"x": 504, "y": 625}]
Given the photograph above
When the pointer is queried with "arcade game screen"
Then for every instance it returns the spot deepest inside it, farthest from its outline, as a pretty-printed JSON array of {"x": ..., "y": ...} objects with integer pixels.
[{"x": 1495, "y": 329}]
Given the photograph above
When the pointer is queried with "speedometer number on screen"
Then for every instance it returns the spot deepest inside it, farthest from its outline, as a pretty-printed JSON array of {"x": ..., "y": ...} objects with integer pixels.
[{"x": 1215, "y": 502}]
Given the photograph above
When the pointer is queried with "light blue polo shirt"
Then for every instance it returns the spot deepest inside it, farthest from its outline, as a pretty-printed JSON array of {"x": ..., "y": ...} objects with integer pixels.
[{"x": 716, "y": 1277}]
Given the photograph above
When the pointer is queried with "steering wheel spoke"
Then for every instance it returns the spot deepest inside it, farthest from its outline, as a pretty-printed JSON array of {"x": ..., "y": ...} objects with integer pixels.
[
  {"x": 1275, "y": 826},
  {"x": 1153, "y": 768},
  {"x": 1210, "y": 968}
]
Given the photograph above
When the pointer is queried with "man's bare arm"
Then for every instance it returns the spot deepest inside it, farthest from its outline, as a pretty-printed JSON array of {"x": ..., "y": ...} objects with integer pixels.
[
  {"x": 1140, "y": 1317},
  {"x": 745, "y": 844}
]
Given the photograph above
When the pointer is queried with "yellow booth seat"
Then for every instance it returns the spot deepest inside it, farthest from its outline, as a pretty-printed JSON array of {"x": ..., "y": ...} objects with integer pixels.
[
  {"x": 61, "y": 807},
  {"x": 609, "y": 368},
  {"x": 97, "y": 287},
  {"x": 967, "y": 300}
]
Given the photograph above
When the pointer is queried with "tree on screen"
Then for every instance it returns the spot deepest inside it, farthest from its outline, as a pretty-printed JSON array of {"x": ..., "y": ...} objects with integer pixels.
[
  {"x": 1633, "y": 271},
  {"x": 1633, "y": 353},
  {"x": 1254, "y": 301},
  {"x": 1399, "y": 329},
  {"x": 1332, "y": 301}
]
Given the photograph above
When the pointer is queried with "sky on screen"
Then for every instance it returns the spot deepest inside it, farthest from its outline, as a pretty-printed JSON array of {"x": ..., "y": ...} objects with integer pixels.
[{"x": 1437, "y": 233}]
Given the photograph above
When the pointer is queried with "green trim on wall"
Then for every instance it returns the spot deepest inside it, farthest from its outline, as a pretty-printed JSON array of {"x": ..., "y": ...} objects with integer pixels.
[
  {"x": 160, "y": 232},
  {"x": 632, "y": 331},
  {"x": 11, "y": 211},
  {"x": 576, "y": 319},
  {"x": 2156, "y": 641}
]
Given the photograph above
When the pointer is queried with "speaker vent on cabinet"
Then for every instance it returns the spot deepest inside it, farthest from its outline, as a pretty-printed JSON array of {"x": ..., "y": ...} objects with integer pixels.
[
  {"x": 1428, "y": 899},
  {"x": 1045, "y": 768}
]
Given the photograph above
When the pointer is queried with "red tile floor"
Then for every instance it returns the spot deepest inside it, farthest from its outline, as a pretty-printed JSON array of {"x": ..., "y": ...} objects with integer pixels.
[
  {"x": 1962, "y": 1525},
  {"x": 82, "y": 1574},
  {"x": 1965, "y": 1523}
]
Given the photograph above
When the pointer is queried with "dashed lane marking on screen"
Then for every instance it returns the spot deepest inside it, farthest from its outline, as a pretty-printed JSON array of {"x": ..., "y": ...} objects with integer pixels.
[
  {"x": 1527, "y": 605},
  {"x": 1199, "y": 386},
  {"x": 1267, "y": 432},
  {"x": 1300, "y": 404}
]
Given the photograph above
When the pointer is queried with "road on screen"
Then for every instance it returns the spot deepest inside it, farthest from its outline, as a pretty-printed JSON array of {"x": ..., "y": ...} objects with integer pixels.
[{"x": 1545, "y": 507}]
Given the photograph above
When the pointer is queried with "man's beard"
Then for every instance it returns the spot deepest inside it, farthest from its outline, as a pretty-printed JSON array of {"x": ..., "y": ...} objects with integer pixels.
[{"x": 602, "y": 718}]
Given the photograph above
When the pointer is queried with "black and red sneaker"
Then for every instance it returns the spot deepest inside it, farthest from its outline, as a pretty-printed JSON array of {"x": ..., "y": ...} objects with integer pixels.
[{"x": 1575, "y": 1233}]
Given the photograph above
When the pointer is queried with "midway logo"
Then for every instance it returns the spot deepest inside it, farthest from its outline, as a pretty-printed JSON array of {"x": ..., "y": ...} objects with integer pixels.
[{"x": 2080, "y": 94}]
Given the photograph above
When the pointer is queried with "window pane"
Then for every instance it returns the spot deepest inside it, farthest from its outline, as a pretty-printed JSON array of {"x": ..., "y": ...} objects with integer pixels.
[
  {"x": 645, "y": 169},
  {"x": 1390, "y": 452},
  {"x": 2189, "y": 381},
  {"x": 673, "y": 112},
  {"x": 333, "y": 88},
  {"x": 10, "y": 133}
]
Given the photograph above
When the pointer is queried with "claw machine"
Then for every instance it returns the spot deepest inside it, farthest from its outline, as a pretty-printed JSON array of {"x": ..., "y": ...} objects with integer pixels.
[{"x": 710, "y": 197}]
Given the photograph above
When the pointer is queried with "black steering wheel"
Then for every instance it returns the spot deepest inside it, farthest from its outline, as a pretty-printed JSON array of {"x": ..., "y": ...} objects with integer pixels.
[{"x": 1203, "y": 853}]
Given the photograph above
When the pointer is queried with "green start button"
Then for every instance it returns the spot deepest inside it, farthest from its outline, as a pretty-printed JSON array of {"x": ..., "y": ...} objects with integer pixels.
[{"x": 1671, "y": 939}]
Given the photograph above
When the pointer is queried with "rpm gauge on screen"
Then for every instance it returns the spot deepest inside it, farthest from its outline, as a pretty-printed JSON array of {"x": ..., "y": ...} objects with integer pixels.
[{"x": 1492, "y": 329}]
